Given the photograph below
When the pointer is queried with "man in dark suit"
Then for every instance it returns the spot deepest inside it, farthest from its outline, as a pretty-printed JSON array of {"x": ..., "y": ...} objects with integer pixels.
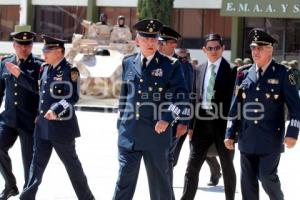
[
  {"x": 17, "y": 119},
  {"x": 211, "y": 160},
  {"x": 152, "y": 99},
  {"x": 213, "y": 87},
  {"x": 56, "y": 124},
  {"x": 257, "y": 113}
]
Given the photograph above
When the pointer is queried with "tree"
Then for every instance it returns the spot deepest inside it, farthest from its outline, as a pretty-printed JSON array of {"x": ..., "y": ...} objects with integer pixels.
[{"x": 157, "y": 9}]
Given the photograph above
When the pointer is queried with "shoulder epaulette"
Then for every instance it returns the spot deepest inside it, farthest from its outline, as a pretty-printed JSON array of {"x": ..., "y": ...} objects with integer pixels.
[
  {"x": 74, "y": 69},
  {"x": 130, "y": 55},
  {"x": 70, "y": 65},
  {"x": 39, "y": 59},
  {"x": 244, "y": 67},
  {"x": 173, "y": 60},
  {"x": 288, "y": 68},
  {"x": 44, "y": 64},
  {"x": 6, "y": 57}
]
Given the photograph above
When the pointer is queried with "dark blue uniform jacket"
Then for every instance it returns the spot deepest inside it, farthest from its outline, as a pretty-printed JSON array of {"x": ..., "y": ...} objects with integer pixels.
[
  {"x": 147, "y": 97},
  {"x": 261, "y": 123},
  {"x": 21, "y": 104}
]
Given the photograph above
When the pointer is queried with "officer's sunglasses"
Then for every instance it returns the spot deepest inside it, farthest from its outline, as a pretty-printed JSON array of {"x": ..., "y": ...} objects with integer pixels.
[{"x": 216, "y": 48}]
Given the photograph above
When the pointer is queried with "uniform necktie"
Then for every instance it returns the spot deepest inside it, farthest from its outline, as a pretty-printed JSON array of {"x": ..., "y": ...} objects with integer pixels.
[
  {"x": 144, "y": 64},
  {"x": 259, "y": 73},
  {"x": 21, "y": 61},
  {"x": 211, "y": 84},
  {"x": 49, "y": 69}
]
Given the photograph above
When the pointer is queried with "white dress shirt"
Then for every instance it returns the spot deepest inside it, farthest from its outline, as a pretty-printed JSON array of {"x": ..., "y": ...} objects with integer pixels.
[
  {"x": 149, "y": 58},
  {"x": 264, "y": 68},
  {"x": 205, "y": 105}
]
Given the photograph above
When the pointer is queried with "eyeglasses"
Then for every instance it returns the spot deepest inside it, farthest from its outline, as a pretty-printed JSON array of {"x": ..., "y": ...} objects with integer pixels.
[{"x": 216, "y": 48}]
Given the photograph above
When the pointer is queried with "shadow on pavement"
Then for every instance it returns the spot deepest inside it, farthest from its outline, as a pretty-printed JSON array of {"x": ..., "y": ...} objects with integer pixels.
[{"x": 212, "y": 189}]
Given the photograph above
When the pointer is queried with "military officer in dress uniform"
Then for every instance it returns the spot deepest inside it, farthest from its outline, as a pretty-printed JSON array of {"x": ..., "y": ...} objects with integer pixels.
[
  {"x": 258, "y": 116},
  {"x": 20, "y": 110},
  {"x": 152, "y": 99},
  {"x": 167, "y": 44},
  {"x": 56, "y": 125}
]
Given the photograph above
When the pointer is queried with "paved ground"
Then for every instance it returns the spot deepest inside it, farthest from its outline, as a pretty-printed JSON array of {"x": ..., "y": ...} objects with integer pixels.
[{"x": 97, "y": 149}]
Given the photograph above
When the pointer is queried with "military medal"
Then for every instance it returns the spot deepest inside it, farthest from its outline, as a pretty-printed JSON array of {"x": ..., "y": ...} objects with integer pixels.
[
  {"x": 276, "y": 96},
  {"x": 268, "y": 95},
  {"x": 157, "y": 72},
  {"x": 273, "y": 81},
  {"x": 30, "y": 71},
  {"x": 58, "y": 77}
]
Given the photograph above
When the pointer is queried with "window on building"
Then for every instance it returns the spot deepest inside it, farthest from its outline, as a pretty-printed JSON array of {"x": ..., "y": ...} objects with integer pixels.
[
  {"x": 285, "y": 31},
  {"x": 58, "y": 21},
  {"x": 9, "y": 17},
  {"x": 204, "y": 21},
  {"x": 293, "y": 39}
]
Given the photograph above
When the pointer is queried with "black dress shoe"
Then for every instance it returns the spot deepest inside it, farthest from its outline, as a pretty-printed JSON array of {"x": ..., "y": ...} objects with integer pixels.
[
  {"x": 214, "y": 180},
  {"x": 8, "y": 192}
]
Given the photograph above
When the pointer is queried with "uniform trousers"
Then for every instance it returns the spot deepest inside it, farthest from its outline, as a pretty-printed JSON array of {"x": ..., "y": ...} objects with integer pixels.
[
  {"x": 212, "y": 162},
  {"x": 67, "y": 154},
  {"x": 205, "y": 134},
  {"x": 157, "y": 168},
  {"x": 263, "y": 167},
  {"x": 8, "y": 137}
]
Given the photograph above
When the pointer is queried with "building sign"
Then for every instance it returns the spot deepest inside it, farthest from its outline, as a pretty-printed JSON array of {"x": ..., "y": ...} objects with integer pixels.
[{"x": 261, "y": 8}]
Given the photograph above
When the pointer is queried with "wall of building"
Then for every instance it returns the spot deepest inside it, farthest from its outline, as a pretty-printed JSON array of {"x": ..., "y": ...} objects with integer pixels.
[
  {"x": 57, "y": 20},
  {"x": 211, "y": 4},
  {"x": 9, "y": 2}
]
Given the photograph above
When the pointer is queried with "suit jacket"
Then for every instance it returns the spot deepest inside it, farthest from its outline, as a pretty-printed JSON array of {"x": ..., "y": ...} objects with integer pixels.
[
  {"x": 223, "y": 92},
  {"x": 21, "y": 105},
  {"x": 262, "y": 128},
  {"x": 147, "y": 97}
]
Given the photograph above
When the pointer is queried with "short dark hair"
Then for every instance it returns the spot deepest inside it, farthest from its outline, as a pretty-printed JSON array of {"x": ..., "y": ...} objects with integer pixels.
[{"x": 213, "y": 37}]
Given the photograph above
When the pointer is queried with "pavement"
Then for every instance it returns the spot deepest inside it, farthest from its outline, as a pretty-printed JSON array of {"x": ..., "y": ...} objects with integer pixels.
[{"x": 97, "y": 150}]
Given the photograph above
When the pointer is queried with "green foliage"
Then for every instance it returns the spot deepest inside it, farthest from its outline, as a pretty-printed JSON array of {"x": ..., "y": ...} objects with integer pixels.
[{"x": 157, "y": 9}]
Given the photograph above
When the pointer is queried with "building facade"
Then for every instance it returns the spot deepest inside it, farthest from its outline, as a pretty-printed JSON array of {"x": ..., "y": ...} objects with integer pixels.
[
  {"x": 62, "y": 20},
  {"x": 280, "y": 18},
  {"x": 193, "y": 19}
]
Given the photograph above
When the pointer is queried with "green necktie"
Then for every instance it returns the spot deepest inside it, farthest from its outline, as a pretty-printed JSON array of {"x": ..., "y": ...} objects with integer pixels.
[{"x": 211, "y": 84}]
